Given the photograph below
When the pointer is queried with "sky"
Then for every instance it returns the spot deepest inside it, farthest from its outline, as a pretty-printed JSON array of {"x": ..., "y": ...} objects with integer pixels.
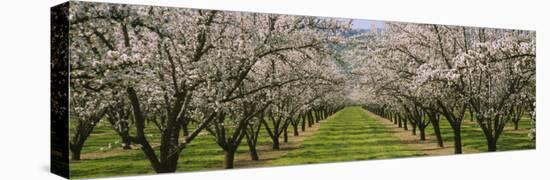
[{"x": 366, "y": 24}]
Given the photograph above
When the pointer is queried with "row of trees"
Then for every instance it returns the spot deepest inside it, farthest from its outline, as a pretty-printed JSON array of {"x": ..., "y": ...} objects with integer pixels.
[
  {"x": 417, "y": 73},
  {"x": 186, "y": 72},
  {"x": 231, "y": 75}
]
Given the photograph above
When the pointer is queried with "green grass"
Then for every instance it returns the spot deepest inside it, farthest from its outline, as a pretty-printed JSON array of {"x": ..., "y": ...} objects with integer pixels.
[
  {"x": 348, "y": 135},
  {"x": 473, "y": 137},
  {"x": 202, "y": 154}
]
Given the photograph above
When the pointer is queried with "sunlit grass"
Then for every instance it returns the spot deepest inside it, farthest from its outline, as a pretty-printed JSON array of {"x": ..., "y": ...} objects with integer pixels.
[
  {"x": 473, "y": 137},
  {"x": 347, "y": 135}
]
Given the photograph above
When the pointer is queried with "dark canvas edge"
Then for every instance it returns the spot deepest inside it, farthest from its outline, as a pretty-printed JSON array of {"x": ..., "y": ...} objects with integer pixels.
[{"x": 59, "y": 90}]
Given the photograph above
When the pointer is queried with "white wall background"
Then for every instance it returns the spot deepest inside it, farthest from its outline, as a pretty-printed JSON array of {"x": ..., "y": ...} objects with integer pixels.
[{"x": 24, "y": 88}]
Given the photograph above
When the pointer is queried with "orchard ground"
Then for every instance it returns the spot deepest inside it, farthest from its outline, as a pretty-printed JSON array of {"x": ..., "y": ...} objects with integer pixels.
[{"x": 350, "y": 134}]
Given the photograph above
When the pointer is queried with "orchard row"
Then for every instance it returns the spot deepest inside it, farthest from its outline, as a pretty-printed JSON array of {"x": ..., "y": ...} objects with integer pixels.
[{"x": 193, "y": 72}]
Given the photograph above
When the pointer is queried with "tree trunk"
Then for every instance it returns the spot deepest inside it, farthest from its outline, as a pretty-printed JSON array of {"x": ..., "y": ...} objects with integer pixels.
[
  {"x": 253, "y": 153},
  {"x": 491, "y": 144},
  {"x": 422, "y": 133},
  {"x": 169, "y": 166},
  {"x": 304, "y": 123},
  {"x": 404, "y": 124},
  {"x": 296, "y": 129},
  {"x": 434, "y": 119},
  {"x": 168, "y": 162},
  {"x": 414, "y": 129},
  {"x": 252, "y": 141},
  {"x": 229, "y": 159},
  {"x": 121, "y": 129},
  {"x": 275, "y": 143},
  {"x": 471, "y": 115},
  {"x": 185, "y": 129},
  {"x": 316, "y": 116},
  {"x": 437, "y": 132},
  {"x": 285, "y": 134},
  {"x": 516, "y": 125},
  {"x": 163, "y": 169},
  {"x": 399, "y": 123},
  {"x": 126, "y": 142},
  {"x": 75, "y": 150},
  {"x": 458, "y": 140},
  {"x": 309, "y": 119}
]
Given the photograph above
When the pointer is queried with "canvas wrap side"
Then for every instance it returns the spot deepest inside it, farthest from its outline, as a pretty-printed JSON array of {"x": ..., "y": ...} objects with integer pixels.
[{"x": 59, "y": 92}]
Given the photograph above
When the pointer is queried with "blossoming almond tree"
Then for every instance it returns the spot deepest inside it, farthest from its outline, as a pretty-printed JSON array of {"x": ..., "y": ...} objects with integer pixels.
[
  {"x": 240, "y": 77},
  {"x": 446, "y": 70},
  {"x": 138, "y": 49},
  {"x": 500, "y": 69},
  {"x": 176, "y": 66},
  {"x": 232, "y": 74}
]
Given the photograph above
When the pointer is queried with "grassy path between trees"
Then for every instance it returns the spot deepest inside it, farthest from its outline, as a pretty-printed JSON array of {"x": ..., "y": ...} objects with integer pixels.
[
  {"x": 429, "y": 146},
  {"x": 267, "y": 154},
  {"x": 473, "y": 140},
  {"x": 351, "y": 134},
  {"x": 203, "y": 154}
]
